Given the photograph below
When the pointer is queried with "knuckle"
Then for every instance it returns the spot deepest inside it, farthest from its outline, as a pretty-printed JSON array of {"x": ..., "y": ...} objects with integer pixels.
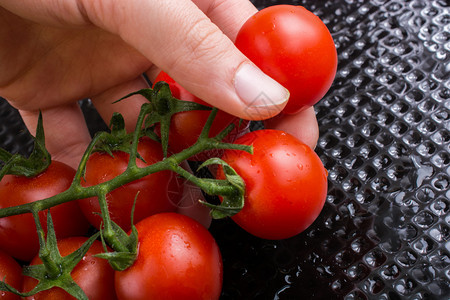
[{"x": 205, "y": 41}]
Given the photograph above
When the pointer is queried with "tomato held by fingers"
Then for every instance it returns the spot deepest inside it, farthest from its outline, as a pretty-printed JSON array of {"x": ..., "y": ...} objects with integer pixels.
[
  {"x": 285, "y": 182},
  {"x": 157, "y": 192},
  {"x": 185, "y": 127},
  {"x": 294, "y": 47},
  {"x": 94, "y": 275},
  {"x": 11, "y": 273},
  {"x": 178, "y": 259},
  {"x": 18, "y": 236}
]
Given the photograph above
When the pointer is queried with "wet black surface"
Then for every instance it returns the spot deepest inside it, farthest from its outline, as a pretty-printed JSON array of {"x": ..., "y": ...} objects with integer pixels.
[{"x": 384, "y": 138}]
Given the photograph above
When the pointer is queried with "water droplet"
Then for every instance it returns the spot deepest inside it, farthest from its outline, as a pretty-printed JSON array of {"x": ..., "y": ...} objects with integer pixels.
[
  {"x": 440, "y": 233},
  {"x": 344, "y": 258},
  {"x": 405, "y": 286},
  {"x": 425, "y": 194},
  {"x": 424, "y": 245},
  {"x": 440, "y": 287},
  {"x": 357, "y": 272},
  {"x": 390, "y": 272},
  {"x": 426, "y": 149},
  {"x": 375, "y": 258},
  {"x": 407, "y": 233},
  {"x": 380, "y": 184},
  {"x": 441, "y": 159},
  {"x": 382, "y": 161},
  {"x": 398, "y": 150},
  {"x": 407, "y": 258},
  {"x": 374, "y": 285},
  {"x": 440, "y": 207},
  {"x": 353, "y": 162},
  {"x": 413, "y": 117},
  {"x": 423, "y": 219},
  {"x": 441, "y": 116},
  {"x": 440, "y": 259},
  {"x": 423, "y": 171},
  {"x": 441, "y": 182}
]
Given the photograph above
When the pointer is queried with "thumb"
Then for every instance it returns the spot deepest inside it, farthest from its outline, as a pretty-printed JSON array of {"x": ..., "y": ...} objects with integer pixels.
[{"x": 181, "y": 40}]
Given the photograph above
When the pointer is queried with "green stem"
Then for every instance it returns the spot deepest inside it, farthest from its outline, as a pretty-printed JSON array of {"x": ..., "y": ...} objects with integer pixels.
[
  {"x": 137, "y": 134},
  {"x": 208, "y": 186},
  {"x": 82, "y": 166},
  {"x": 52, "y": 268},
  {"x": 4, "y": 155},
  {"x": 205, "y": 131},
  {"x": 76, "y": 191},
  {"x": 108, "y": 232}
]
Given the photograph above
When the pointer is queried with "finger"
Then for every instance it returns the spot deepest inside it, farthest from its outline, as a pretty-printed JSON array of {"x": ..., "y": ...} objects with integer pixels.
[
  {"x": 190, "y": 206},
  {"x": 66, "y": 133},
  {"x": 152, "y": 73},
  {"x": 184, "y": 42},
  {"x": 302, "y": 125},
  {"x": 228, "y": 15},
  {"x": 129, "y": 107}
]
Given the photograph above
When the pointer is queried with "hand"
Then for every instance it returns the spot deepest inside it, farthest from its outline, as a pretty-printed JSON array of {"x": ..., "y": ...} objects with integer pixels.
[{"x": 57, "y": 52}]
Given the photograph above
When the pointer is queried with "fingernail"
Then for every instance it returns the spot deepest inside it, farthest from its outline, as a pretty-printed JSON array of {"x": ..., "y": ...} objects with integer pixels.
[{"x": 257, "y": 90}]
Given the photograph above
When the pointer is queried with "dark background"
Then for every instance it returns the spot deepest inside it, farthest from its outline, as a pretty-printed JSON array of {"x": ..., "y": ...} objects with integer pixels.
[{"x": 384, "y": 138}]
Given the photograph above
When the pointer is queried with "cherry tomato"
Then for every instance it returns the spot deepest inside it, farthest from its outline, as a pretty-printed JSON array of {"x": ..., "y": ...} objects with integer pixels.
[
  {"x": 178, "y": 259},
  {"x": 94, "y": 275},
  {"x": 158, "y": 192},
  {"x": 294, "y": 47},
  {"x": 185, "y": 127},
  {"x": 18, "y": 235},
  {"x": 286, "y": 184},
  {"x": 11, "y": 273}
]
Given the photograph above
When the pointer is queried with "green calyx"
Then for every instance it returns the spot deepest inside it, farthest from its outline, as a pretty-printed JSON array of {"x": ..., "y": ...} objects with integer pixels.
[
  {"x": 36, "y": 163},
  {"x": 117, "y": 140},
  {"x": 55, "y": 270},
  {"x": 124, "y": 246},
  {"x": 164, "y": 106},
  {"x": 232, "y": 201}
]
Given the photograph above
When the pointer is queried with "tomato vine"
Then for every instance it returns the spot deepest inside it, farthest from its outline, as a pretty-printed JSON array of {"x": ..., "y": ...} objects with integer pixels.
[{"x": 160, "y": 108}]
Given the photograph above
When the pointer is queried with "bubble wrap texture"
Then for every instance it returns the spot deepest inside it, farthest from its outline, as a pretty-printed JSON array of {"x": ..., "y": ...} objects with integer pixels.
[{"x": 384, "y": 138}]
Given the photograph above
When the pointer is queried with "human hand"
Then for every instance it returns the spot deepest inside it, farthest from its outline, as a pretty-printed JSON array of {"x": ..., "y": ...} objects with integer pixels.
[{"x": 57, "y": 52}]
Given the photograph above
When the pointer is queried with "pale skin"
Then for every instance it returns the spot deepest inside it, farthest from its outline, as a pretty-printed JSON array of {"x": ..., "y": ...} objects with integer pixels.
[{"x": 55, "y": 52}]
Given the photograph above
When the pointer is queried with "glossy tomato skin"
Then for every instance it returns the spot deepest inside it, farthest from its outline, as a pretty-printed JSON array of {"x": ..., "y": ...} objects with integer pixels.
[
  {"x": 11, "y": 273},
  {"x": 158, "y": 192},
  {"x": 185, "y": 127},
  {"x": 294, "y": 47},
  {"x": 18, "y": 235},
  {"x": 286, "y": 184},
  {"x": 178, "y": 259},
  {"x": 94, "y": 275}
]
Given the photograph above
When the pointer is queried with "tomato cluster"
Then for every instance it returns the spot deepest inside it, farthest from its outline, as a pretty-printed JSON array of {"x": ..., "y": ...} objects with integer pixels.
[{"x": 176, "y": 257}]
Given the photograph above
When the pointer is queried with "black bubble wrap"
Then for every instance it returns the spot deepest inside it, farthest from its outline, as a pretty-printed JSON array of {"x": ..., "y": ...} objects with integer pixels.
[{"x": 384, "y": 138}]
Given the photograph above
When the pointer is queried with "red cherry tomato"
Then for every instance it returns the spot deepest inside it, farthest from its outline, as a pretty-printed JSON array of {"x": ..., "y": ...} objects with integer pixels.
[
  {"x": 294, "y": 47},
  {"x": 185, "y": 127},
  {"x": 94, "y": 275},
  {"x": 18, "y": 235},
  {"x": 178, "y": 259},
  {"x": 11, "y": 273},
  {"x": 286, "y": 184},
  {"x": 158, "y": 192}
]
